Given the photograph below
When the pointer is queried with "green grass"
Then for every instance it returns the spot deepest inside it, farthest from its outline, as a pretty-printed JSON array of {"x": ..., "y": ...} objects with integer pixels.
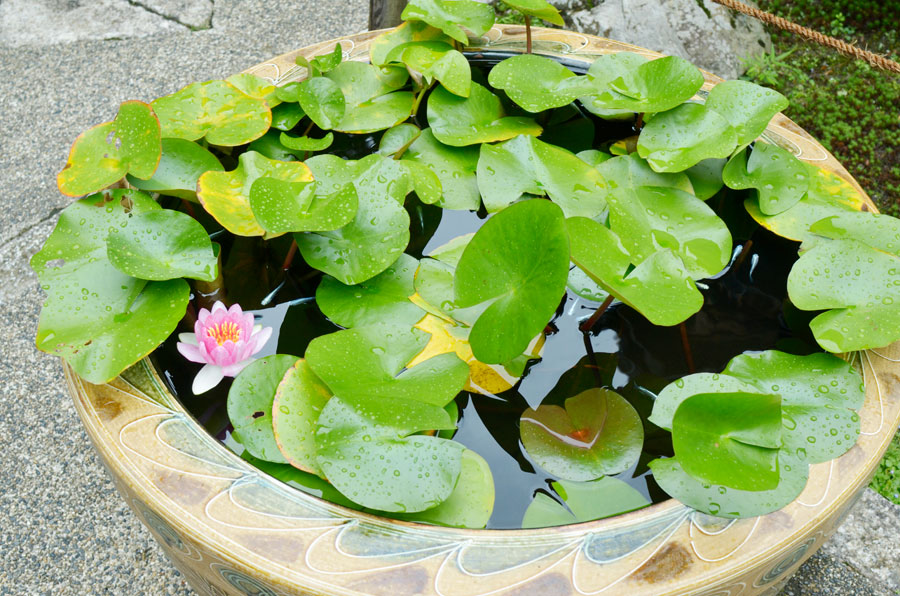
[
  {"x": 852, "y": 108},
  {"x": 887, "y": 477}
]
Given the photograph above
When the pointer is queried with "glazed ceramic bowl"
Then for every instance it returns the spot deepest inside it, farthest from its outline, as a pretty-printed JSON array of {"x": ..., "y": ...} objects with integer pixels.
[{"x": 232, "y": 529}]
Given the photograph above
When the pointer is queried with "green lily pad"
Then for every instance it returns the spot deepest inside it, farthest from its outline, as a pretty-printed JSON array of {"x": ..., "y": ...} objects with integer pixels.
[
  {"x": 593, "y": 157},
  {"x": 434, "y": 283},
  {"x": 364, "y": 362},
  {"x": 180, "y": 167},
  {"x": 779, "y": 178},
  {"x": 604, "y": 71},
  {"x": 455, "y": 168},
  {"x": 860, "y": 285},
  {"x": 397, "y": 139},
  {"x": 660, "y": 287},
  {"x": 728, "y": 502},
  {"x": 98, "y": 319},
  {"x": 527, "y": 165},
  {"x": 582, "y": 285},
  {"x": 256, "y": 87},
  {"x": 323, "y": 101},
  {"x": 216, "y": 110},
  {"x": 307, "y": 143},
  {"x": 450, "y": 16},
  {"x": 371, "y": 102},
  {"x": 439, "y": 61},
  {"x": 250, "y": 402},
  {"x": 818, "y": 395},
  {"x": 410, "y": 31},
  {"x": 424, "y": 182},
  {"x": 584, "y": 501},
  {"x": 673, "y": 394},
  {"x": 520, "y": 260},
  {"x": 378, "y": 233},
  {"x": 227, "y": 195},
  {"x": 102, "y": 155},
  {"x": 308, "y": 483},
  {"x": 747, "y": 106},
  {"x": 828, "y": 195},
  {"x": 538, "y": 8},
  {"x": 731, "y": 439},
  {"x": 287, "y": 115},
  {"x": 299, "y": 399},
  {"x": 478, "y": 118},
  {"x": 323, "y": 62},
  {"x": 535, "y": 83},
  {"x": 162, "y": 244},
  {"x": 658, "y": 217},
  {"x": 706, "y": 177},
  {"x": 625, "y": 173},
  {"x": 684, "y": 136},
  {"x": 471, "y": 503},
  {"x": 380, "y": 463},
  {"x": 598, "y": 433},
  {"x": 270, "y": 146},
  {"x": 384, "y": 297},
  {"x": 638, "y": 85}
]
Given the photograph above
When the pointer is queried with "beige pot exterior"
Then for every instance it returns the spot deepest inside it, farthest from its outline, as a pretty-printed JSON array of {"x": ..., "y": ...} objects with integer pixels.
[{"x": 232, "y": 530}]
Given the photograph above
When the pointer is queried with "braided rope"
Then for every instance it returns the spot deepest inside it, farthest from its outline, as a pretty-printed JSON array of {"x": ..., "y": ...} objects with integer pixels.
[{"x": 841, "y": 46}]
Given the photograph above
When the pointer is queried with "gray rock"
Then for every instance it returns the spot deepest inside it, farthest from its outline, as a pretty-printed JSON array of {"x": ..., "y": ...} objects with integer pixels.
[
  {"x": 707, "y": 34},
  {"x": 196, "y": 14},
  {"x": 822, "y": 575},
  {"x": 47, "y": 22}
]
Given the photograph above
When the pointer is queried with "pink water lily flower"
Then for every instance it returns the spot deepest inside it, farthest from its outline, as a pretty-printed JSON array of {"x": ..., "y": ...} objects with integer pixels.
[{"x": 225, "y": 340}]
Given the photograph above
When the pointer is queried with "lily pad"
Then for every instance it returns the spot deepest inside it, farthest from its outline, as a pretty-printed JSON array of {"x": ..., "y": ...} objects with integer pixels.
[
  {"x": 455, "y": 168},
  {"x": 381, "y": 463},
  {"x": 323, "y": 101},
  {"x": 102, "y": 155},
  {"x": 644, "y": 86},
  {"x": 250, "y": 402},
  {"x": 255, "y": 86},
  {"x": 287, "y": 115},
  {"x": 828, "y": 195},
  {"x": 538, "y": 8},
  {"x": 673, "y": 394},
  {"x": 727, "y": 502},
  {"x": 409, "y": 31},
  {"x": 684, "y": 136},
  {"x": 307, "y": 143},
  {"x": 378, "y": 233},
  {"x": 397, "y": 139},
  {"x": 471, "y": 503},
  {"x": 604, "y": 71},
  {"x": 582, "y": 285},
  {"x": 450, "y": 16},
  {"x": 584, "y": 501},
  {"x": 98, "y": 319},
  {"x": 180, "y": 167},
  {"x": 535, "y": 83},
  {"x": 439, "y": 61},
  {"x": 597, "y": 433},
  {"x": 747, "y": 106},
  {"x": 162, "y": 244},
  {"x": 779, "y": 178},
  {"x": 519, "y": 259},
  {"x": 299, "y": 399},
  {"x": 364, "y": 362},
  {"x": 706, "y": 177},
  {"x": 660, "y": 287},
  {"x": 625, "y": 173},
  {"x": 478, "y": 118},
  {"x": 384, "y": 297},
  {"x": 730, "y": 439},
  {"x": 270, "y": 146},
  {"x": 819, "y": 394},
  {"x": 226, "y": 195},
  {"x": 282, "y": 207},
  {"x": 371, "y": 103},
  {"x": 216, "y": 110},
  {"x": 527, "y": 165}
]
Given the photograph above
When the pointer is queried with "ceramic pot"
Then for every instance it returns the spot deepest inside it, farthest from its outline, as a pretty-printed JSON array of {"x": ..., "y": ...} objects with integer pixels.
[{"x": 231, "y": 529}]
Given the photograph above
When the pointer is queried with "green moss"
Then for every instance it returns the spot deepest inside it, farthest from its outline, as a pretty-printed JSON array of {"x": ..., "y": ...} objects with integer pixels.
[{"x": 887, "y": 476}]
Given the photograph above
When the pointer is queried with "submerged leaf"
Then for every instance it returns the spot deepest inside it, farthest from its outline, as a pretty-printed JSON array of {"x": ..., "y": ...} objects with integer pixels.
[
  {"x": 596, "y": 434},
  {"x": 216, "y": 110},
  {"x": 102, "y": 155},
  {"x": 519, "y": 259},
  {"x": 98, "y": 319},
  {"x": 478, "y": 118}
]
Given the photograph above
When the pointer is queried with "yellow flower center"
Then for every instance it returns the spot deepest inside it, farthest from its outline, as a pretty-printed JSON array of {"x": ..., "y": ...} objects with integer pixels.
[{"x": 224, "y": 331}]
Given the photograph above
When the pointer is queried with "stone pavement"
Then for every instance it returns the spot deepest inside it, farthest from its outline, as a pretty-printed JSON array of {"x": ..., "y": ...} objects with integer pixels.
[{"x": 65, "y": 65}]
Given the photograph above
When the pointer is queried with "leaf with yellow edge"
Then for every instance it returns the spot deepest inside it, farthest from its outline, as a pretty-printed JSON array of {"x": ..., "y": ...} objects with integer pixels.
[
  {"x": 217, "y": 110},
  {"x": 255, "y": 86},
  {"x": 226, "y": 195},
  {"x": 102, "y": 155}
]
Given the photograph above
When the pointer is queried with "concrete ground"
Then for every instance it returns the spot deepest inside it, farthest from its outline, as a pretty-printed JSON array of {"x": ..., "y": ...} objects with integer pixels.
[{"x": 64, "y": 66}]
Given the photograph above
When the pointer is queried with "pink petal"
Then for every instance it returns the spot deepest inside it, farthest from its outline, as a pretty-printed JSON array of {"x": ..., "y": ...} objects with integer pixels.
[
  {"x": 258, "y": 340},
  {"x": 219, "y": 305},
  {"x": 188, "y": 338},
  {"x": 202, "y": 315},
  {"x": 220, "y": 356},
  {"x": 232, "y": 370},
  {"x": 235, "y": 310},
  {"x": 209, "y": 343},
  {"x": 190, "y": 352},
  {"x": 208, "y": 377}
]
